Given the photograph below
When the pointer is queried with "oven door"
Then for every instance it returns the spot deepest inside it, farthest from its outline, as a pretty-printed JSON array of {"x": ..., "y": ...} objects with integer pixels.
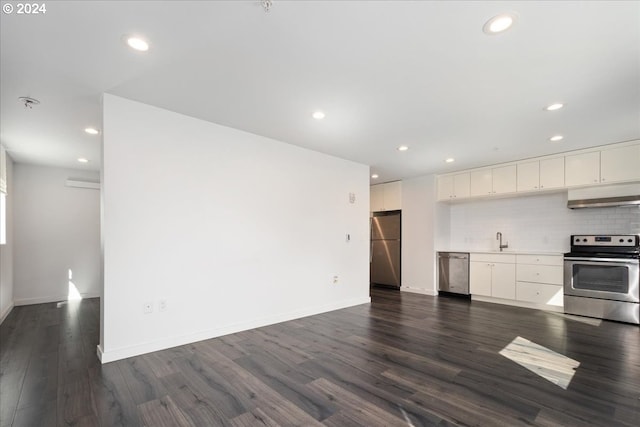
[{"x": 604, "y": 278}]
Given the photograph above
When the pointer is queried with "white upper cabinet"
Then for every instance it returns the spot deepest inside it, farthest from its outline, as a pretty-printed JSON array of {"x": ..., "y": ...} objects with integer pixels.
[
  {"x": 504, "y": 179},
  {"x": 392, "y": 196},
  {"x": 620, "y": 164},
  {"x": 445, "y": 187},
  {"x": 481, "y": 182},
  {"x": 541, "y": 175},
  {"x": 591, "y": 167},
  {"x": 486, "y": 182},
  {"x": 386, "y": 197},
  {"x": 582, "y": 169},
  {"x": 453, "y": 186},
  {"x": 461, "y": 185},
  {"x": 552, "y": 173},
  {"x": 528, "y": 176},
  {"x": 376, "y": 198}
]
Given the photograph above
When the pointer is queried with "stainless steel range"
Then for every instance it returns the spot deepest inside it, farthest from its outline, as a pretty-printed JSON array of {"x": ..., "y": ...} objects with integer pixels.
[{"x": 601, "y": 277}]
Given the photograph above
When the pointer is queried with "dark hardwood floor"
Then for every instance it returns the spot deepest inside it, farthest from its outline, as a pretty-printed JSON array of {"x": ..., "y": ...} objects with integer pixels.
[{"x": 404, "y": 360}]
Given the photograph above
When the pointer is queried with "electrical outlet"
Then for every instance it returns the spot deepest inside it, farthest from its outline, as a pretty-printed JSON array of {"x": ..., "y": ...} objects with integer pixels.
[
  {"x": 147, "y": 307},
  {"x": 335, "y": 279},
  {"x": 162, "y": 305}
]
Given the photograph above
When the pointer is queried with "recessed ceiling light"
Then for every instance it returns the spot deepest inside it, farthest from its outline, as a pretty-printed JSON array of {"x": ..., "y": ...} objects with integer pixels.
[
  {"x": 83, "y": 160},
  {"x": 318, "y": 115},
  {"x": 554, "y": 107},
  {"x": 374, "y": 176},
  {"x": 137, "y": 43},
  {"x": 499, "y": 23},
  {"x": 450, "y": 160},
  {"x": 403, "y": 148},
  {"x": 92, "y": 131},
  {"x": 556, "y": 138}
]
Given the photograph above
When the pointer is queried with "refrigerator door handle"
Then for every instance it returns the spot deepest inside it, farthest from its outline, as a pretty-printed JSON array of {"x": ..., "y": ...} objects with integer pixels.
[
  {"x": 371, "y": 240},
  {"x": 371, "y": 253}
]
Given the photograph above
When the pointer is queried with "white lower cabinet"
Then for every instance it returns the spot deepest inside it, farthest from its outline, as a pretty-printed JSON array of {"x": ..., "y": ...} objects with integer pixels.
[
  {"x": 480, "y": 278},
  {"x": 551, "y": 274},
  {"x": 530, "y": 280},
  {"x": 503, "y": 281},
  {"x": 539, "y": 279},
  {"x": 492, "y": 275},
  {"x": 539, "y": 293}
]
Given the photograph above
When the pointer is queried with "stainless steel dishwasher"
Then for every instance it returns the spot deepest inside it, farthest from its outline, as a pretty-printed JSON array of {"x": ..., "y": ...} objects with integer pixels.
[{"x": 453, "y": 272}]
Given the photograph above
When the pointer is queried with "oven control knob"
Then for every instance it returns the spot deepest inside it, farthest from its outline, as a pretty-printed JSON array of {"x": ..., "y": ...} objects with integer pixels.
[
  {"x": 621, "y": 240},
  {"x": 584, "y": 240},
  {"x": 630, "y": 240}
]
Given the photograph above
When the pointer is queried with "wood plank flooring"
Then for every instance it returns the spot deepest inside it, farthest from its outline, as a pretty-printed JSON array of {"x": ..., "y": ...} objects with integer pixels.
[{"x": 403, "y": 360}]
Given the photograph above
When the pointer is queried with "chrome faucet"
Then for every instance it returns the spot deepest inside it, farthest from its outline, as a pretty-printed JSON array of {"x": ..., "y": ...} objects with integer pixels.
[{"x": 499, "y": 238}]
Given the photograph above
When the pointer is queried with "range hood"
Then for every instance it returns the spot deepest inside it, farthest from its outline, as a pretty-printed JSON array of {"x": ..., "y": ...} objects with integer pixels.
[{"x": 604, "y": 196}]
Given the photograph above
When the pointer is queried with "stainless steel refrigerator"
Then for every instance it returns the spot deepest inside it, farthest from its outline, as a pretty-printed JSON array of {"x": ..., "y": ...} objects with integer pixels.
[{"x": 385, "y": 248}]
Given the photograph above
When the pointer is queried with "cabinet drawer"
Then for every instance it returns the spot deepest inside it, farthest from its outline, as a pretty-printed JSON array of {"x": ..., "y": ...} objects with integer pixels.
[
  {"x": 501, "y": 258},
  {"x": 539, "y": 293},
  {"x": 540, "y": 259},
  {"x": 551, "y": 274}
]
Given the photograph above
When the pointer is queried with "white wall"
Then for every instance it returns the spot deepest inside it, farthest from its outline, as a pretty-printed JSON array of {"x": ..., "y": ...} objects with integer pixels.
[
  {"x": 541, "y": 222},
  {"x": 419, "y": 215},
  {"x": 6, "y": 251},
  {"x": 56, "y": 228},
  {"x": 232, "y": 229}
]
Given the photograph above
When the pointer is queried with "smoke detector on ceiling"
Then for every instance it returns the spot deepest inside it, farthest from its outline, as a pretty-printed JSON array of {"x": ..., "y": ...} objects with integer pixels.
[{"x": 28, "y": 101}]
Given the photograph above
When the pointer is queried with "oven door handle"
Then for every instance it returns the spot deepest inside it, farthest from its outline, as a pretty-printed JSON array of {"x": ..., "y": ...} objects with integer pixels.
[{"x": 602, "y": 260}]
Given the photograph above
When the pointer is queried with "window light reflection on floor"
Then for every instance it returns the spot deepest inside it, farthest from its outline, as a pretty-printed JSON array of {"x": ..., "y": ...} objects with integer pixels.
[
  {"x": 586, "y": 320},
  {"x": 548, "y": 364},
  {"x": 557, "y": 299},
  {"x": 74, "y": 294}
]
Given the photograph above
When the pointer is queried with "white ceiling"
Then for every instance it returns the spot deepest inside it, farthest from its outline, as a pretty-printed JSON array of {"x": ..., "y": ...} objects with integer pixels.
[{"x": 386, "y": 73}]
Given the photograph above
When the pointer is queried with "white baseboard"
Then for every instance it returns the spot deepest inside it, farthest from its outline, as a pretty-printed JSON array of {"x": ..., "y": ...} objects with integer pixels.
[
  {"x": 44, "y": 300},
  {"x": 419, "y": 290},
  {"x": 6, "y": 312},
  {"x": 148, "y": 347},
  {"x": 99, "y": 352}
]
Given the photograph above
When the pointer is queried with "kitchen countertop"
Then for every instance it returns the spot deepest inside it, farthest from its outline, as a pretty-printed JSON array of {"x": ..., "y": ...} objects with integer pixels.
[{"x": 507, "y": 252}]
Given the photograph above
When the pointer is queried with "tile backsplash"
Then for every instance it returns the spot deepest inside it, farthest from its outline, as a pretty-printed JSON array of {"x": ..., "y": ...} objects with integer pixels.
[{"x": 532, "y": 223}]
